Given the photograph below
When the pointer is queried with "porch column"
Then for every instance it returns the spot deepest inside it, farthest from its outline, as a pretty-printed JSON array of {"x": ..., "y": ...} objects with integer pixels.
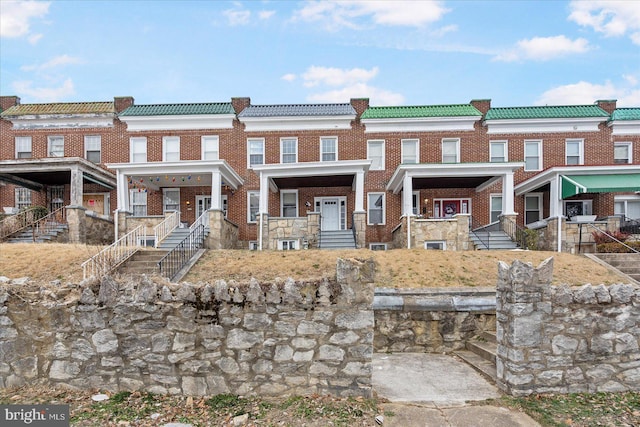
[
  {"x": 359, "y": 205},
  {"x": 216, "y": 191},
  {"x": 76, "y": 216},
  {"x": 76, "y": 187},
  {"x": 264, "y": 193},
  {"x": 407, "y": 195},
  {"x": 122, "y": 192},
  {"x": 507, "y": 194},
  {"x": 555, "y": 203}
]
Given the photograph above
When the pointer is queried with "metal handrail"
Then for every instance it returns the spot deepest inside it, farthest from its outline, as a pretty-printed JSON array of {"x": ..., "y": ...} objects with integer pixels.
[
  {"x": 178, "y": 257},
  {"x": 611, "y": 237},
  {"x": 517, "y": 233},
  {"x": 19, "y": 221},
  {"x": 629, "y": 226},
  {"x": 474, "y": 226},
  {"x": 162, "y": 230},
  {"x": 202, "y": 219},
  {"x": 113, "y": 255},
  {"x": 353, "y": 228}
]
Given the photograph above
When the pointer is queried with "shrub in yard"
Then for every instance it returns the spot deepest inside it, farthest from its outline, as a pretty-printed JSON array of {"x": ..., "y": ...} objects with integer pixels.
[
  {"x": 617, "y": 248},
  {"x": 599, "y": 237}
]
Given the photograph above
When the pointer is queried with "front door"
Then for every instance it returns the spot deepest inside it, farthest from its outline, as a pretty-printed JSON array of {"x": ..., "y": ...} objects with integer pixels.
[
  {"x": 330, "y": 214},
  {"x": 203, "y": 203},
  {"x": 56, "y": 198},
  {"x": 94, "y": 202},
  {"x": 447, "y": 208}
]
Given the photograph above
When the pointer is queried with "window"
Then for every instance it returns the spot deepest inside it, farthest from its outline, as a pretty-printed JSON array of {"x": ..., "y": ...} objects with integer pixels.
[
  {"x": 377, "y": 246},
  {"x": 289, "y": 203},
  {"x": 622, "y": 152},
  {"x": 577, "y": 207},
  {"x": 498, "y": 151},
  {"x": 171, "y": 199},
  {"x": 496, "y": 207},
  {"x": 437, "y": 245},
  {"x": 170, "y": 148},
  {"x": 92, "y": 148},
  {"x": 410, "y": 151},
  {"x": 328, "y": 149},
  {"x": 138, "y": 201},
  {"x": 451, "y": 150},
  {"x": 23, "y": 147},
  {"x": 23, "y": 198},
  {"x": 627, "y": 206},
  {"x": 288, "y": 150},
  {"x": 253, "y": 245},
  {"x": 532, "y": 155},
  {"x": 532, "y": 208},
  {"x": 287, "y": 245},
  {"x": 56, "y": 146},
  {"x": 253, "y": 200},
  {"x": 415, "y": 202},
  {"x": 574, "y": 151},
  {"x": 255, "y": 149},
  {"x": 210, "y": 146},
  {"x": 375, "y": 153},
  {"x": 138, "y": 149},
  {"x": 376, "y": 208}
]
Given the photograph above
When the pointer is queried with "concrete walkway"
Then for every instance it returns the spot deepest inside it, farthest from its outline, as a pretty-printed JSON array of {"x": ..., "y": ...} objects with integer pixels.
[{"x": 435, "y": 390}]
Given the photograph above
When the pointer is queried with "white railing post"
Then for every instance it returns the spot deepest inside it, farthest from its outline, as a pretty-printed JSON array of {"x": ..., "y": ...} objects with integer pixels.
[
  {"x": 162, "y": 230},
  {"x": 113, "y": 255}
]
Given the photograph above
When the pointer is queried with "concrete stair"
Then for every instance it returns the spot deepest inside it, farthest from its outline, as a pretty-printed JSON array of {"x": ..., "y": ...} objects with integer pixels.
[
  {"x": 26, "y": 235},
  {"x": 176, "y": 237},
  {"x": 337, "y": 239},
  {"x": 480, "y": 354},
  {"x": 497, "y": 240},
  {"x": 143, "y": 262},
  {"x": 628, "y": 264}
]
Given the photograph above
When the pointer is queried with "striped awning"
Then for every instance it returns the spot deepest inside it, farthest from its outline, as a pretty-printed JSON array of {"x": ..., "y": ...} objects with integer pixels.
[{"x": 606, "y": 183}]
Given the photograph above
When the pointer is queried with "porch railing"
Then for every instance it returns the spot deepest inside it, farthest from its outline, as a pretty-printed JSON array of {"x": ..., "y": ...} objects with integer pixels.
[
  {"x": 113, "y": 255},
  {"x": 162, "y": 230},
  {"x": 629, "y": 226},
  {"x": 517, "y": 233},
  {"x": 21, "y": 221},
  {"x": 203, "y": 220},
  {"x": 179, "y": 256}
]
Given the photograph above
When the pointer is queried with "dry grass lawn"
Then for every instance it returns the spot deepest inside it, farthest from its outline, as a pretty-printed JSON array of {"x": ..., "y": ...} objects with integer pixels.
[{"x": 398, "y": 268}]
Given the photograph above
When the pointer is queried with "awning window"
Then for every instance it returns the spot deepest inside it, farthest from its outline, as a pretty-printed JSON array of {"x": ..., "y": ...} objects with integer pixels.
[{"x": 613, "y": 183}]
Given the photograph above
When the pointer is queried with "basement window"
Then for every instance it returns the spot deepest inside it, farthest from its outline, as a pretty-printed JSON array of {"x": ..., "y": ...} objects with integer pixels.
[
  {"x": 378, "y": 246},
  {"x": 288, "y": 245},
  {"x": 437, "y": 245},
  {"x": 253, "y": 245}
]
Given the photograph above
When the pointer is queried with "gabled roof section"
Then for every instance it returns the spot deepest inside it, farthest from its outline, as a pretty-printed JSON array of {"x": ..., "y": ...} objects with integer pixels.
[
  {"x": 59, "y": 108},
  {"x": 178, "y": 109},
  {"x": 546, "y": 112},
  {"x": 298, "y": 110},
  {"x": 421, "y": 111},
  {"x": 626, "y": 114}
]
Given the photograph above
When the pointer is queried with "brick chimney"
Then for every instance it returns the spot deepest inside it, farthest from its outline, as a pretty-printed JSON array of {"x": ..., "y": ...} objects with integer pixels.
[
  {"x": 482, "y": 105},
  {"x": 7, "y": 102},
  {"x": 608, "y": 105},
  {"x": 240, "y": 103},
  {"x": 360, "y": 105},
  {"x": 121, "y": 103}
]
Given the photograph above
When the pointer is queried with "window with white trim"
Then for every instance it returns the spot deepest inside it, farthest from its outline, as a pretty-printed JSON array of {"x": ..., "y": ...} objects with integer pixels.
[
  {"x": 56, "y": 146},
  {"x": 533, "y": 155},
  {"x": 255, "y": 151},
  {"x": 574, "y": 151},
  {"x": 288, "y": 150},
  {"x": 496, "y": 208},
  {"x": 288, "y": 245},
  {"x": 573, "y": 208},
  {"x": 138, "y": 149},
  {"x": 627, "y": 206},
  {"x": 253, "y": 205},
  {"x": 450, "y": 150},
  {"x": 435, "y": 245},
  {"x": 171, "y": 199},
  {"x": 289, "y": 203},
  {"x": 410, "y": 151},
  {"x": 328, "y": 149},
  {"x": 138, "y": 201},
  {"x": 23, "y": 198},
  {"x": 375, "y": 153},
  {"x": 622, "y": 152},
  {"x": 92, "y": 148},
  {"x": 377, "y": 246},
  {"x": 170, "y": 148},
  {"x": 498, "y": 152},
  {"x": 23, "y": 147},
  {"x": 375, "y": 208},
  {"x": 210, "y": 147},
  {"x": 532, "y": 208}
]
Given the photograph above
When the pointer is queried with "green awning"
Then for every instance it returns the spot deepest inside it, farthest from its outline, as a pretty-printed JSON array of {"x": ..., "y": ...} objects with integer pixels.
[{"x": 577, "y": 184}]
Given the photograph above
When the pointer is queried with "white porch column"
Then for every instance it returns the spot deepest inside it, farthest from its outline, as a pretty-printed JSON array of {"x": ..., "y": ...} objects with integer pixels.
[
  {"x": 407, "y": 195},
  {"x": 507, "y": 194},
  {"x": 216, "y": 190},
  {"x": 122, "y": 191},
  {"x": 264, "y": 193},
  {"x": 76, "y": 187},
  {"x": 555, "y": 203},
  {"x": 359, "y": 205}
]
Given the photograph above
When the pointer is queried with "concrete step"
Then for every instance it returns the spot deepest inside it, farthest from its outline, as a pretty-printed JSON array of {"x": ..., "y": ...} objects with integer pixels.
[
  {"x": 484, "y": 349},
  {"x": 483, "y": 366},
  {"x": 337, "y": 239}
]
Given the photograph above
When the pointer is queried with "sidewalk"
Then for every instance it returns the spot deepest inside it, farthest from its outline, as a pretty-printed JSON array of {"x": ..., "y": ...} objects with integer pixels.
[{"x": 438, "y": 390}]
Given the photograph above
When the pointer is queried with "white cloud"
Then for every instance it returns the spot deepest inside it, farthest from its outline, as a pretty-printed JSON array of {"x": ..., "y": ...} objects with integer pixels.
[
  {"x": 16, "y": 16},
  {"x": 289, "y": 77},
  {"x": 440, "y": 32},
  {"x": 627, "y": 93},
  {"x": 544, "y": 49},
  {"x": 612, "y": 18},
  {"x": 44, "y": 94},
  {"x": 354, "y": 14},
  {"x": 315, "y": 76},
  {"x": 266, "y": 14},
  {"x": 58, "y": 61},
  {"x": 237, "y": 17},
  {"x": 376, "y": 95}
]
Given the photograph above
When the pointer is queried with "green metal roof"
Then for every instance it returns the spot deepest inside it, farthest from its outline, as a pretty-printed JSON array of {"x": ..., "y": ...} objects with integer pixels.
[
  {"x": 626, "y": 114},
  {"x": 60, "y": 108},
  {"x": 179, "y": 109},
  {"x": 546, "y": 112},
  {"x": 577, "y": 184},
  {"x": 419, "y": 111}
]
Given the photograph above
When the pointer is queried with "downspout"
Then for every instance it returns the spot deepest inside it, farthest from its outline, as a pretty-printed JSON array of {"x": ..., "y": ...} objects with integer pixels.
[
  {"x": 260, "y": 232},
  {"x": 408, "y": 232},
  {"x": 559, "y": 184}
]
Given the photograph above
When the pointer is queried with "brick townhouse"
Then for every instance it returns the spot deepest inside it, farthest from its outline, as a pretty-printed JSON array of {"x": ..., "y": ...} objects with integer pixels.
[{"x": 291, "y": 176}]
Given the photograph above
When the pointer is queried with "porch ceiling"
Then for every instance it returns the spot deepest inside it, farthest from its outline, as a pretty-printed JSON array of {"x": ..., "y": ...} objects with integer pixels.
[
  {"x": 314, "y": 181},
  {"x": 449, "y": 182}
]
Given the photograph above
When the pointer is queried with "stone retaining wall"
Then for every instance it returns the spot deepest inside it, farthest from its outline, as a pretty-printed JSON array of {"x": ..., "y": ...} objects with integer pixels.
[
  {"x": 560, "y": 339},
  {"x": 100, "y": 230},
  {"x": 260, "y": 338}
]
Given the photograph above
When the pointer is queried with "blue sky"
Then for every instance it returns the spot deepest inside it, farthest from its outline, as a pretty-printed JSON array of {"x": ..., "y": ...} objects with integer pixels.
[{"x": 289, "y": 52}]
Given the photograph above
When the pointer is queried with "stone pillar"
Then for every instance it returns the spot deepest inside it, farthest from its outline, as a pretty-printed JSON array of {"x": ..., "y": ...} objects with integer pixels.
[
  {"x": 77, "y": 222},
  {"x": 122, "y": 223},
  {"x": 76, "y": 185},
  {"x": 216, "y": 226},
  {"x": 508, "y": 222},
  {"x": 520, "y": 318},
  {"x": 462, "y": 239},
  {"x": 313, "y": 228},
  {"x": 360, "y": 226}
]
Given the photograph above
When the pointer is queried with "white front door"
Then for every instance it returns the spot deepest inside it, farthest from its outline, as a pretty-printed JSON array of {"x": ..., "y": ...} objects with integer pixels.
[
  {"x": 330, "y": 214},
  {"x": 203, "y": 203}
]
